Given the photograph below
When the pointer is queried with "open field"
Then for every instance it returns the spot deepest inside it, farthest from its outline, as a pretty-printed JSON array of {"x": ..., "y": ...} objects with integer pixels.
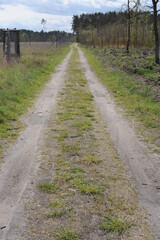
[
  {"x": 28, "y": 48},
  {"x": 20, "y": 82}
]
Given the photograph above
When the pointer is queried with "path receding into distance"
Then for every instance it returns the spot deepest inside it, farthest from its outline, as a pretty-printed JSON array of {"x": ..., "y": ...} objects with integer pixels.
[{"x": 21, "y": 161}]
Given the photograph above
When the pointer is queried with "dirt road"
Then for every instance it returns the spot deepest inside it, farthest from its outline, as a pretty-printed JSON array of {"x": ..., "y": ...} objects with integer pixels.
[{"x": 21, "y": 161}]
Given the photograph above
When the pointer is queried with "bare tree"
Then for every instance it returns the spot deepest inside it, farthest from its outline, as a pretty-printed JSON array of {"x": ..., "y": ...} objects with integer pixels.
[
  {"x": 132, "y": 6},
  {"x": 43, "y": 23},
  {"x": 128, "y": 26},
  {"x": 155, "y": 13}
]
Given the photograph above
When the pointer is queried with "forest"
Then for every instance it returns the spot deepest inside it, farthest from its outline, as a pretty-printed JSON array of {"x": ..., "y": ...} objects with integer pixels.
[
  {"x": 135, "y": 26},
  {"x": 110, "y": 29},
  {"x": 42, "y": 36}
]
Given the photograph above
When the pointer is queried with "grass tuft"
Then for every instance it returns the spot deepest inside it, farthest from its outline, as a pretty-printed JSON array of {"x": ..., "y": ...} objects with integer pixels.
[
  {"x": 87, "y": 188},
  {"x": 59, "y": 212},
  {"x": 48, "y": 187},
  {"x": 67, "y": 234},
  {"x": 89, "y": 159},
  {"x": 111, "y": 224},
  {"x": 55, "y": 204},
  {"x": 72, "y": 150}
]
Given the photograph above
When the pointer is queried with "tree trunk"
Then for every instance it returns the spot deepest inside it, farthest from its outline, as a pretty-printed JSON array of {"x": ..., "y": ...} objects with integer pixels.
[
  {"x": 156, "y": 31},
  {"x": 136, "y": 34},
  {"x": 93, "y": 43},
  {"x": 128, "y": 27}
]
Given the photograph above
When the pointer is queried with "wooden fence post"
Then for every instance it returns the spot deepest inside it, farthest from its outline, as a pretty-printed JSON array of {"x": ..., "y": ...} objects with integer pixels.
[
  {"x": 8, "y": 37},
  {"x": 6, "y": 46},
  {"x": 17, "y": 46}
]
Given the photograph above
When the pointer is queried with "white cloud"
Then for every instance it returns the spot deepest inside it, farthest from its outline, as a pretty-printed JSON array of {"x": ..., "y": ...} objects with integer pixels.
[
  {"x": 16, "y": 15},
  {"x": 95, "y": 3},
  {"x": 99, "y": 4}
]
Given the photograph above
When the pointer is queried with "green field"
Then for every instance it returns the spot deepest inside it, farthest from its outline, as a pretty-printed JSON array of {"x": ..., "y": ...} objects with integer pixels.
[{"x": 20, "y": 82}]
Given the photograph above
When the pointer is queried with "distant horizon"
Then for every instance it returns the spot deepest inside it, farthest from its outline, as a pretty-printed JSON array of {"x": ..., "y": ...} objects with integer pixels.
[{"x": 24, "y": 29}]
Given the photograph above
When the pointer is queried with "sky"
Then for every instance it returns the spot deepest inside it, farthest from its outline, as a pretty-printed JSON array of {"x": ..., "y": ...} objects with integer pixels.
[{"x": 27, "y": 14}]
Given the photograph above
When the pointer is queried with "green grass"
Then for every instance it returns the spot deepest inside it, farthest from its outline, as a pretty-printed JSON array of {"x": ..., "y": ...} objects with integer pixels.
[
  {"x": 59, "y": 212},
  {"x": 83, "y": 125},
  {"x": 48, "y": 187},
  {"x": 90, "y": 189},
  {"x": 77, "y": 170},
  {"x": 71, "y": 176},
  {"x": 89, "y": 159},
  {"x": 72, "y": 150},
  {"x": 131, "y": 94},
  {"x": 86, "y": 188},
  {"x": 116, "y": 225},
  {"x": 62, "y": 135},
  {"x": 55, "y": 204},
  {"x": 67, "y": 234},
  {"x": 19, "y": 84}
]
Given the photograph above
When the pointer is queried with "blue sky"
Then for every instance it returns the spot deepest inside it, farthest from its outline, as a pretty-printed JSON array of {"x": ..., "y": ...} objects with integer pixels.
[{"x": 58, "y": 13}]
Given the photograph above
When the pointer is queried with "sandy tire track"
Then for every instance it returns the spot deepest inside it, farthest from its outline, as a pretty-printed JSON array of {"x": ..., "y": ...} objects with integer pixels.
[
  {"x": 20, "y": 163},
  {"x": 143, "y": 166}
]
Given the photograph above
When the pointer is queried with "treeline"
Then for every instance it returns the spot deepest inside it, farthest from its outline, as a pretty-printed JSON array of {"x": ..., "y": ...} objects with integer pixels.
[
  {"x": 52, "y": 36},
  {"x": 110, "y": 29}
]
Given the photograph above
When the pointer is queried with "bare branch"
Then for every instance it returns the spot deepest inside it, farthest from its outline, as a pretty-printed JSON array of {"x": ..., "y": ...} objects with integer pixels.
[{"x": 149, "y": 6}]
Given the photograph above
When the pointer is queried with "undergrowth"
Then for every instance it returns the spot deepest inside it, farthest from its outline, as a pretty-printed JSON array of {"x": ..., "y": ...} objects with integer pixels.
[{"x": 138, "y": 61}]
